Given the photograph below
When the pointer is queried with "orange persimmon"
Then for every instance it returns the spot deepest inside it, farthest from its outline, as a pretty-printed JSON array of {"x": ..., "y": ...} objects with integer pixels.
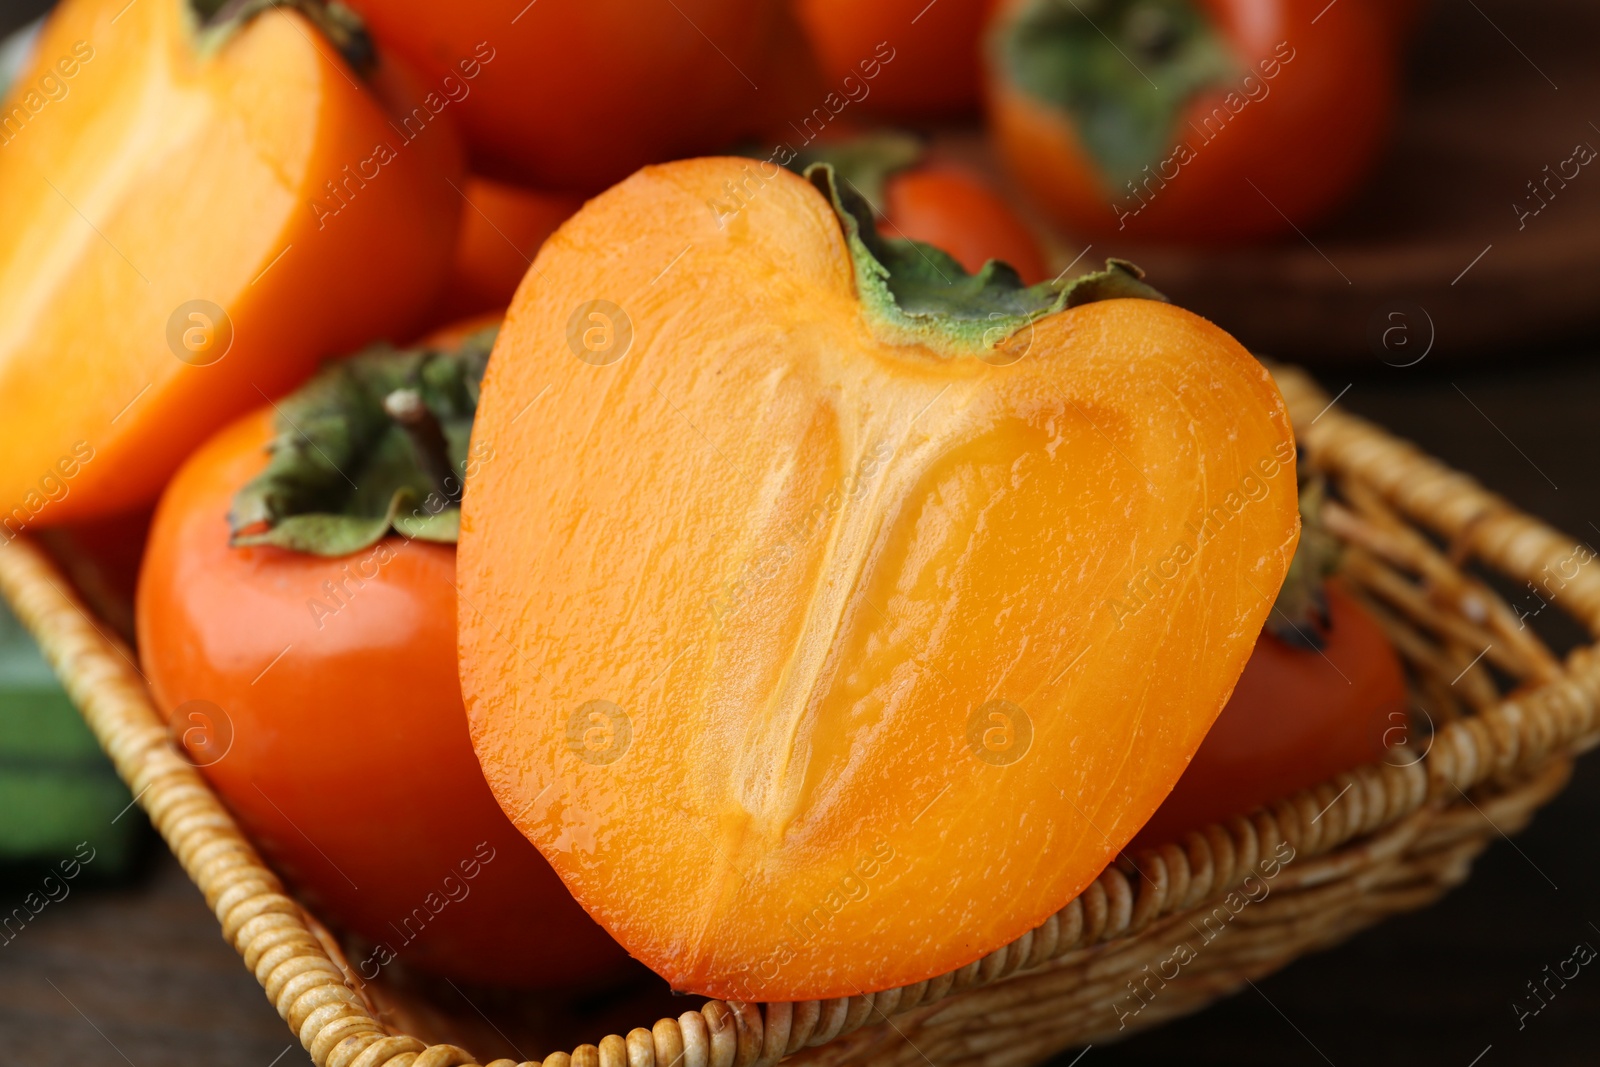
[
  {"x": 1189, "y": 120},
  {"x": 502, "y": 227},
  {"x": 575, "y": 94},
  {"x": 911, "y": 59},
  {"x": 830, "y": 617},
  {"x": 207, "y": 212},
  {"x": 1298, "y": 717},
  {"x": 950, "y": 207},
  {"x": 318, "y": 695}
]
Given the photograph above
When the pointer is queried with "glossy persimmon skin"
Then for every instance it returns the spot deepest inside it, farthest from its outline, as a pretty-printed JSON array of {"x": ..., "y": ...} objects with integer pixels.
[
  {"x": 933, "y": 69},
  {"x": 1305, "y": 145},
  {"x": 576, "y": 94},
  {"x": 951, "y": 208},
  {"x": 747, "y": 580},
  {"x": 1296, "y": 719},
  {"x": 502, "y": 227},
  {"x": 162, "y": 178},
  {"x": 332, "y": 726}
]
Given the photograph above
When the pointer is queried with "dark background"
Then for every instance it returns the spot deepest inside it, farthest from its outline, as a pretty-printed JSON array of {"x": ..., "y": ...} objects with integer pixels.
[{"x": 140, "y": 975}]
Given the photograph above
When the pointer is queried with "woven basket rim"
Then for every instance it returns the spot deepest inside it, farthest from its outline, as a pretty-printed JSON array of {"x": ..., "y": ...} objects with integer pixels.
[{"x": 1526, "y": 738}]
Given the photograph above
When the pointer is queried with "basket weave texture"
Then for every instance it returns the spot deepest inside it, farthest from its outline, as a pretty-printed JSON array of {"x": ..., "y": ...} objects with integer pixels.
[{"x": 1159, "y": 934}]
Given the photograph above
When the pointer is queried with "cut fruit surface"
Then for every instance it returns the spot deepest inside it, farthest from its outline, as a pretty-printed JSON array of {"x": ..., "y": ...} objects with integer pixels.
[
  {"x": 200, "y": 217},
  {"x": 818, "y": 664}
]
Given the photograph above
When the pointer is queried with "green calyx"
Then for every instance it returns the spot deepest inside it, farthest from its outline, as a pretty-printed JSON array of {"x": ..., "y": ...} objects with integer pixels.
[
  {"x": 914, "y": 293},
  {"x": 1124, "y": 70},
  {"x": 372, "y": 444},
  {"x": 219, "y": 20}
]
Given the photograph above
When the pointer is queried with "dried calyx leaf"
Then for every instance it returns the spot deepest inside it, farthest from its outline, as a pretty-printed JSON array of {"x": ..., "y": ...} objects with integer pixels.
[
  {"x": 373, "y": 444},
  {"x": 219, "y": 20},
  {"x": 1300, "y": 615},
  {"x": 914, "y": 293}
]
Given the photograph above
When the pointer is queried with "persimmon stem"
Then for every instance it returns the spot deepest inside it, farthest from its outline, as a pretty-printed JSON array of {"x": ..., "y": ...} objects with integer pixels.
[{"x": 422, "y": 429}]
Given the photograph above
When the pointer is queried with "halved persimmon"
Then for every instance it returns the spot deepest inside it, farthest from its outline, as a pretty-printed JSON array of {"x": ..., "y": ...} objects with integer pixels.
[
  {"x": 207, "y": 210},
  {"x": 829, "y": 616},
  {"x": 1324, "y": 692}
]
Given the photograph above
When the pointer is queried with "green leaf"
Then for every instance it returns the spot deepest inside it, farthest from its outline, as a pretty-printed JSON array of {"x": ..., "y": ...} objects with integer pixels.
[
  {"x": 343, "y": 474},
  {"x": 1124, "y": 70},
  {"x": 914, "y": 293},
  {"x": 322, "y": 534},
  {"x": 444, "y": 528}
]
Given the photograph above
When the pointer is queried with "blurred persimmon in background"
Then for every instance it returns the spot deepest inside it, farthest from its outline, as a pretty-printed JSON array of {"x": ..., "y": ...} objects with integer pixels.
[
  {"x": 577, "y": 94},
  {"x": 1171, "y": 120},
  {"x": 502, "y": 227},
  {"x": 929, "y": 52}
]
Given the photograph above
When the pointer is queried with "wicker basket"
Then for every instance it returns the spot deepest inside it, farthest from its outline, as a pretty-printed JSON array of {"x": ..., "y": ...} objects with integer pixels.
[{"x": 1502, "y": 720}]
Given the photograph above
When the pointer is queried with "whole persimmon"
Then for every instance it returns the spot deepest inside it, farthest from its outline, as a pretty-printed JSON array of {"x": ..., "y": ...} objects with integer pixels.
[
  {"x": 1298, "y": 717},
  {"x": 837, "y": 615},
  {"x": 951, "y": 207},
  {"x": 203, "y": 207},
  {"x": 576, "y": 94},
  {"x": 923, "y": 57},
  {"x": 303, "y": 648},
  {"x": 1189, "y": 120},
  {"x": 1323, "y": 693}
]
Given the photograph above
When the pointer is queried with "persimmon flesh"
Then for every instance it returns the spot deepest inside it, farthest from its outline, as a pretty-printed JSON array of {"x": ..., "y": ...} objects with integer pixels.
[
  {"x": 825, "y": 641},
  {"x": 201, "y": 219}
]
